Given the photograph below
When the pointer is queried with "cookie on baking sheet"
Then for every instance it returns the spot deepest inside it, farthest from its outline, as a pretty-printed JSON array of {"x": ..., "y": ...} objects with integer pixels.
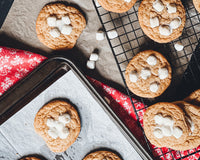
[
  {"x": 162, "y": 20},
  {"x": 148, "y": 74},
  {"x": 102, "y": 155},
  {"x": 197, "y": 5},
  {"x": 165, "y": 125},
  {"x": 58, "y": 123},
  {"x": 59, "y": 26},
  {"x": 29, "y": 158},
  {"x": 193, "y": 118},
  {"x": 194, "y": 98},
  {"x": 118, "y": 6}
]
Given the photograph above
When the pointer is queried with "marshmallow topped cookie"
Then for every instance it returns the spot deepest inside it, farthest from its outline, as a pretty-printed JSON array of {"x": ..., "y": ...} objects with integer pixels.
[
  {"x": 117, "y": 6},
  {"x": 148, "y": 74},
  {"x": 58, "y": 124},
  {"x": 59, "y": 26},
  {"x": 165, "y": 125},
  {"x": 193, "y": 118},
  {"x": 162, "y": 20},
  {"x": 102, "y": 155}
]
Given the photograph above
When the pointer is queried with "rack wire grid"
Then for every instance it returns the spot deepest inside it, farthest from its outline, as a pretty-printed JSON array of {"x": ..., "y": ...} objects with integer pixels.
[{"x": 131, "y": 40}]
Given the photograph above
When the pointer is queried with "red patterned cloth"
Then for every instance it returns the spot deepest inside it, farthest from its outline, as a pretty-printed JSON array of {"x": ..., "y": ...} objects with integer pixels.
[{"x": 16, "y": 64}]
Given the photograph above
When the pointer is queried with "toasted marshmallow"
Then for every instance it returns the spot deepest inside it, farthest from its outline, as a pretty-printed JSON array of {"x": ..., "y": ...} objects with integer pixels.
[
  {"x": 159, "y": 119},
  {"x": 51, "y": 21},
  {"x": 152, "y": 60},
  {"x": 158, "y": 6},
  {"x": 158, "y": 133},
  {"x": 145, "y": 73},
  {"x": 59, "y": 24},
  {"x": 66, "y": 20},
  {"x": 165, "y": 30},
  {"x": 166, "y": 131},
  {"x": 128, "y": 1},
  {"x": 163, "y": 73},
  {"x": 55, "y": 33},
  {"x": 133, "y": 76},
  {"x": 66, "y": 30},
  {"x": 175, "y": 23},
  {"x": 154, "y": 22},
  {"x": 154, "y": 87},
  {"x": 177, "y": 132},
  {"x": 171, "y": 8}
]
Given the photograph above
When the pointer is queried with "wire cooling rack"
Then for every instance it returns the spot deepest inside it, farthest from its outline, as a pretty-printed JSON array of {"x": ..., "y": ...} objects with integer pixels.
[{"x": 132, "y": 40}]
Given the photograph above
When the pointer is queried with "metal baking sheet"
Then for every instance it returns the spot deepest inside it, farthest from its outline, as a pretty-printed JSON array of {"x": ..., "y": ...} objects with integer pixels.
[{"x": 18, "y": 137}]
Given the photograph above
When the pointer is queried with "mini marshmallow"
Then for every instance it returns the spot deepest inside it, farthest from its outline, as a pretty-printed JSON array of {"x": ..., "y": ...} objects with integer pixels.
[
  {"x": 64, "y": 133},
  {"x": 66, "y": 20},
  {"x": 154, "y": 22},
  {"x": 91, "y": 64},
  {"x": 158, "y": 119},
  {"x": 54, "y": 33},
  {"x": 59, "y": 125},
  {"x": 94, "y": 57},
  {"x": 179, "y": 46},
  {"x": 175, "y": 23},
  {"x": 171, "y": 8},
  {"x": 66, "y": 30},
  {"x": 168, "y": 121},
  {"x": 145, "y": 73},
  {"x": 165, "y": 30},
  {"x": 50, "y": 122},
  {"x": 152, "y": 60},
  {"x": 158, "y": 133},
  {"x": 154, "y": 87},
  {"x": 158, "y": 6},
  {"x": 100, "y": 35},
  {"x": 53, "y": 133},
  {"x": 166, "y": 131},
  {"x": 177, "y": 132},
  {"x": 65, "y": 118},
  {"x": 112, "y": 34},
  {"x": 163, "y": 73},
  {"x": 128, "y": 1},
  {"x": 59, "y": 24},
  {"x": 51, "y": 21},
  {"x": 133, "y": 76}
]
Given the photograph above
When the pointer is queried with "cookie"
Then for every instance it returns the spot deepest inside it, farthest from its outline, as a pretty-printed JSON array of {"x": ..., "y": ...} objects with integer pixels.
[
  {"x": 58, "y": 124},
  {"x": 59, "y": 26},
  {"x": 102, "y": 155},
  {"x": 162, "y": 20},
  {"x": 197, "y": 5},
  {"x": 193, "y": 118},
  {"x": 117, "y": 6},
  {"x": 30, "y": 158},
  {"x": 148, "y": 74},
  {"x": 194, "y": 98},
  {"x": 165, "y": 125}
]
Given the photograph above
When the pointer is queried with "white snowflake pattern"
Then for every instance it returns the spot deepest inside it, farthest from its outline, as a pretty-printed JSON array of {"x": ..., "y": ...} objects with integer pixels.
[
  {"x": 123, "y": 97},
  {"x": 117, "y": 100},
  {"x": 17, "y": 60},
  {"x": 108, "y": 89},
  {"x": 4, "y": 70},
  {"x": 28, "y": 53},
  {"x": 6, "y": 84},
  {"x": 4, "y": 59}
]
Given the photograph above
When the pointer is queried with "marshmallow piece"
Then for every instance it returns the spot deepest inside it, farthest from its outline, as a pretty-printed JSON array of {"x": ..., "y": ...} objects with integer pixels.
[
  {"x": 59, "y": 125},
  {"x": 165, "y": 30},
  {"x": 59, "y": 24},
  {"x": 66, "y": 20},
  {"x": 175, "y": 23},
  {"x": 168, "y": 121},
  {"x": 158, "y": 6},
  {"x": 128, "y": 1},
  {"x": 112, "y": 34},
  {"x": 133, "y": 76},
  {"x": 171, "y": 8},
  {"x": 55, "y": 33},
  {"x": 145, "y": 73},
  {"x": 50, "y": 122},
  {"x": 65, "y": 118},
  {"x": 163, "y": 73},
  {"x": 91, "y": 64},
  {"x": 100, "y": 35},
  {"x": 66, "y": 30},
  {"x": 179, "y": 46},
  {"x": 51, "y": 21},
  {"x": 154, "y": 22},
  {"x": 152, "y": 60},
  {"x": 158, "y": 133},
  {"x": 154, "y": 87},
  {"x": 53, "y": 133},
  {"x": 158, "y": 119},
  {"x": 166, "y": 131},
  {"x": 177, "y": 132},
  {"x": 64, "y": 133},
  {"x": 94, "y": 57}
]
